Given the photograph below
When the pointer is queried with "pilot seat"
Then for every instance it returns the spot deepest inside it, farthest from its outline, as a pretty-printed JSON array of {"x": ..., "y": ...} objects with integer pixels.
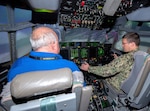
[
  {"x": 50, "y": 90},
  {"x": 135, "y": 95}
]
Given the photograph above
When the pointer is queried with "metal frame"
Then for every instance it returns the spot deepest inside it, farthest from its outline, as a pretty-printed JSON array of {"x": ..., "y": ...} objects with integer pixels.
[{"x": 11, "y": 28}]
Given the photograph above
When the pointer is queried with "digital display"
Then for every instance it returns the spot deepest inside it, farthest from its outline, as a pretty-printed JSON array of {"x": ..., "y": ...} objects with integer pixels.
[
  {"x": 74, "y": 53},
  {"x": 100, "y": 51},
  {"x": 84, "y": 53}
]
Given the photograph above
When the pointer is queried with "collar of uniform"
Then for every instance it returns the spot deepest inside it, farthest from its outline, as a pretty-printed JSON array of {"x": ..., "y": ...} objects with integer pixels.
[{"x": 44, "y": 55}]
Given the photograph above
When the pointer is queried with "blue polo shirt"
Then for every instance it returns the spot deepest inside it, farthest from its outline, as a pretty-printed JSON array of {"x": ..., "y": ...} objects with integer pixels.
[{"x": 51, "y": 61}]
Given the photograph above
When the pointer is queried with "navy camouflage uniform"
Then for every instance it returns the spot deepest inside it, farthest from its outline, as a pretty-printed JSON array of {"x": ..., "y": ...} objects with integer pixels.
[{"x": 120, "y": 67}]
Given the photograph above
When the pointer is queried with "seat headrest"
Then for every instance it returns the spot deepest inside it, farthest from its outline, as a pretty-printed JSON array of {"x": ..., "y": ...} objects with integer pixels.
[
  {"x": 41, "y": 82},
  {"x": 141, "y": 53}
]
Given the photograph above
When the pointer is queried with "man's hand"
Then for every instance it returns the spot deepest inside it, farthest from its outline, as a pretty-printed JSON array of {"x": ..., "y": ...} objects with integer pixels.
[
  {"x": 115, "y": 55},
  {"x": 84, "y": 66}
]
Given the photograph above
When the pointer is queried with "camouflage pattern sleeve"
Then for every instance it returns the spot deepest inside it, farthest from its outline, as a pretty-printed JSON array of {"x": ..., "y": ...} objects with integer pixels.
[{"x": 118, "y": 65}]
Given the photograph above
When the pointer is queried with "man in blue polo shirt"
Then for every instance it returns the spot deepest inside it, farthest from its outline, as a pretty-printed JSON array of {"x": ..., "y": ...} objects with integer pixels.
[{"x": 45, "y": 56}]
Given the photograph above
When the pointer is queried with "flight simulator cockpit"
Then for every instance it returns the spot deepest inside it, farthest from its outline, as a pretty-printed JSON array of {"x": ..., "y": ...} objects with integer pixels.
[{"x": 89, "y": 31}]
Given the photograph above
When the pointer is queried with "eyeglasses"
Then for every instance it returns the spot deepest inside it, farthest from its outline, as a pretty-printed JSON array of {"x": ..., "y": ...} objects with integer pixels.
[{"x": 125, "y": 43}]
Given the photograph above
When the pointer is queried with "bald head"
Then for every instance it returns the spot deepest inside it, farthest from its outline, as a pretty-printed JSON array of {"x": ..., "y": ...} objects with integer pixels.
[
  {"x": 43, "y": 38},
  {"x": 36, "y": 34}
]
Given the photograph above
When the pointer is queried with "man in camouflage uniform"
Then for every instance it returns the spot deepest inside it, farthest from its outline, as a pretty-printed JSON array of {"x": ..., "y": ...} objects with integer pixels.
[{"x": 119, "y": 69}]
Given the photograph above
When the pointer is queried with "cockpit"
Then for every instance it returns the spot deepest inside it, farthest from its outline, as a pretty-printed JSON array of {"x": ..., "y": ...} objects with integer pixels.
[{"x": 89, "y": 31}]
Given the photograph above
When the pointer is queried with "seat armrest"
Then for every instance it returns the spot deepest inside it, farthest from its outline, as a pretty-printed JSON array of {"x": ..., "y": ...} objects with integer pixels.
[{"x": 85, "y": 98}]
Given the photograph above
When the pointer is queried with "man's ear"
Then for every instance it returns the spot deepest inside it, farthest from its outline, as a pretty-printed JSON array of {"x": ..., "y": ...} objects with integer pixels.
[
  {"x": 53, "y": 46},
  {"x": 133, "y": 44}
]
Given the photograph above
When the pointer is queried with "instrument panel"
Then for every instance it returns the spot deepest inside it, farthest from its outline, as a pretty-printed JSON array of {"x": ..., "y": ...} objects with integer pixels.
[
  {"x": 90, "y": 14},
  {"x": 92, "y": 52}
]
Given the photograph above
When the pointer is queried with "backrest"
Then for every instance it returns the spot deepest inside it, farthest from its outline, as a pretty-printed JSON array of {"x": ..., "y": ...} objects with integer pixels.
[
  {"x": 41, "y": 82},
  {"x": 139, "y": 96},
  {"x": 139, "y": 59}
]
